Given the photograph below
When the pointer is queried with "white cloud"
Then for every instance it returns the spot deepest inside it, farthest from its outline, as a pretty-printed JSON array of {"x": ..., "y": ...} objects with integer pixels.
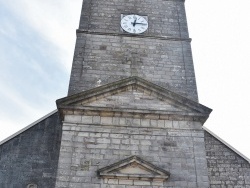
[
  {"x": 52, "y": 20},
  {"x": 14, "y": 97}
]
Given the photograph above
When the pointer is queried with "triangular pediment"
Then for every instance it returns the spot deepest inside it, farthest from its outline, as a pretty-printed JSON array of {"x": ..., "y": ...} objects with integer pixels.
[
  {"x": 133, "y": 168},
  {"x": 134, "y": 95}
]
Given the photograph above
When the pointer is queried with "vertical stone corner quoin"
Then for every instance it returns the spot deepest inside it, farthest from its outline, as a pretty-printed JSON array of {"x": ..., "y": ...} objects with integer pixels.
[
  {"x": 133, "y": 167},
  {"x": 80, "y": 102}
]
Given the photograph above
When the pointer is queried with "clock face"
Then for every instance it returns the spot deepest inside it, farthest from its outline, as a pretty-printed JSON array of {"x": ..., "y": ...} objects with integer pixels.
[{"x": 134, "y": 24}]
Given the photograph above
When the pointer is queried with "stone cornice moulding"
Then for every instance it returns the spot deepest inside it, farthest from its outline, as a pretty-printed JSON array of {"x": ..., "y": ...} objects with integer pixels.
[
  {"x": 170, "y": 38},
  {"x": 147, "y": 114}
]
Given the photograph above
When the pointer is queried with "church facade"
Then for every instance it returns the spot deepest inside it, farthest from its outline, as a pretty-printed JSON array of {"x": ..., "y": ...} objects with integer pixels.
[{"x": 132, "y": 117}]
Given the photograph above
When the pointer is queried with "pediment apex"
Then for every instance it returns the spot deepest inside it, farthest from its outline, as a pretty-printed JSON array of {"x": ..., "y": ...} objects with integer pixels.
[
  {"x": 133, "y": 167},
  {"x": 134, "y": 83}
]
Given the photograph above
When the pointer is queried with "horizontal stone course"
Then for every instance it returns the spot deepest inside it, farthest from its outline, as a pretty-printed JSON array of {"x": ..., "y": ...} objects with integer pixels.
[{"x": 133, "y": 122}]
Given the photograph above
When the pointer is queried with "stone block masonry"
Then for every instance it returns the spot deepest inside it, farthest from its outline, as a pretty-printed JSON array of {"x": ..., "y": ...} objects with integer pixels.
[
  {"x": 166, "y": 18},
  {"x": 162, "y": 55},
  {"x": 164, "y": 62},
  {"x": 93, "y": 142}
]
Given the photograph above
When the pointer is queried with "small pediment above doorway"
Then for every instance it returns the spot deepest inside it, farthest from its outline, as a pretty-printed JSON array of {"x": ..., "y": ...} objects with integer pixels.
[{"x": 134, "y": 168}]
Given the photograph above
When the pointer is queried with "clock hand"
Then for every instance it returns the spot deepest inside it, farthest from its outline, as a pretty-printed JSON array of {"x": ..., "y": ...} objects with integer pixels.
[
  {"x": 138, "y": 23},
  {"x": 141, "y": 23},
  {"x": 134, "y": 22}
]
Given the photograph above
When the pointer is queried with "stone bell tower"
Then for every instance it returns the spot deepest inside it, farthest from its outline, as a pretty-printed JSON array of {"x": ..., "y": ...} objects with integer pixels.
[
  {"x": 105, "y": 53},
  {"x": 132, "y": 117}
]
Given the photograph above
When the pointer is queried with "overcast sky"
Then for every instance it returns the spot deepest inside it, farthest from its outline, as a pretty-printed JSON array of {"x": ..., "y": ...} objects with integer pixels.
[{"x": 36, "y": 49}]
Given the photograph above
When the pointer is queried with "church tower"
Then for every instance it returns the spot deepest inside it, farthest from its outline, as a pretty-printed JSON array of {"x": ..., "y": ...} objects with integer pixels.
[
  {"x": 132, "y": 117},
  {"x": 105, "y": 52}
]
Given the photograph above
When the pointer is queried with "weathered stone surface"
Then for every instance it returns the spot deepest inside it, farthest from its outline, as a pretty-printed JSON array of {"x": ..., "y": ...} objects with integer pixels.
[
  {"x": 32, "y": 156},
  {"x": 133, "y": 99},
  {"x": 166, "y": 18},
  {"x": 104, "y": 53},
  {"x": 132, "y": 171},
  {"x": 164, "y": 64},
  {"x": 95, "y": 146},
  {"x": 225, "y": 167}
]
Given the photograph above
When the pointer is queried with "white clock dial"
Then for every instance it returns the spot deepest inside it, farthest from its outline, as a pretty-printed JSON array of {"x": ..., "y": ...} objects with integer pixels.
[{"x": 134, "y": 24}]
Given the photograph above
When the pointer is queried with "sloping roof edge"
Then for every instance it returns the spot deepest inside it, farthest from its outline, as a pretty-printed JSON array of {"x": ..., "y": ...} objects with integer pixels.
[
  {"x": 27, "y": 127},
  {"x": 227, "y": 144}
]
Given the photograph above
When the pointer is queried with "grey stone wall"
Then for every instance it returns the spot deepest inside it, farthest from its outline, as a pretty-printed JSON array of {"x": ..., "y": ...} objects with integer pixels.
[
  {"x": 101, "y": 59},
  {"x": 166, "y": 18},
  {"x": 104, "y": 53},
  {"x": 93, "y": 142},
  {"x": 225, "y": 167},
  {"x": 32, "y": 156}
]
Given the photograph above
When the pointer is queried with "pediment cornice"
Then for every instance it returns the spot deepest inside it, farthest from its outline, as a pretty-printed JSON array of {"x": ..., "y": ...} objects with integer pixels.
[{"x": 83, "y": 101}]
